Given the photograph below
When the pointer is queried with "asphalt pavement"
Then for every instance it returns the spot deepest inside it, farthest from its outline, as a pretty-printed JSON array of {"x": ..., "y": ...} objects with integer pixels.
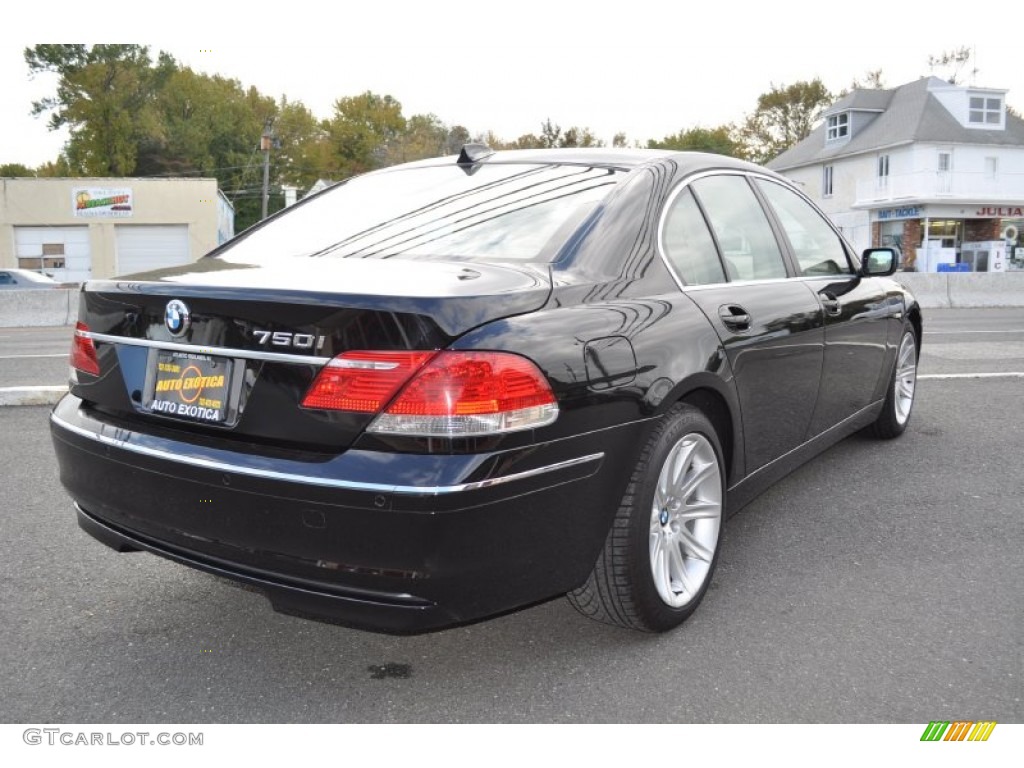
[{"x": 879, "y": 583}]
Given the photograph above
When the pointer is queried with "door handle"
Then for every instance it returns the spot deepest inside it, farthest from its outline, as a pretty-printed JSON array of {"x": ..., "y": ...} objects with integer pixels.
[
  {"x": 735, "y": 317},
  {"x": 830, "y": 303}
]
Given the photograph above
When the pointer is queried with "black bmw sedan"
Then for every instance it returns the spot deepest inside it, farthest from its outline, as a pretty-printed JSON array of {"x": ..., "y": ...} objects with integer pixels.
[{"x": 448, "y": 389}]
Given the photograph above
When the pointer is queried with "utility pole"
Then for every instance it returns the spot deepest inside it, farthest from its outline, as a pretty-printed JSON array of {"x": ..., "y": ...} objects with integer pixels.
[{"x": 266, "y": 140}]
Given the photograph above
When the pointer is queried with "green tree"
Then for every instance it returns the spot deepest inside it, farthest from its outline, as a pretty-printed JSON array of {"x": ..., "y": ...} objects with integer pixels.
[
  {"x": 550, "y": 134},
  {"x": 302, "y": 155},
  {"x": 130, "y": 116},
  {"x": 784, "y": 116},
  {"x": 526, "y": 141},
  {"x": 579, "y": 137},
  {"x": 14, "y": 170},
  {"x": 207, "y": 124},
  {"x": 58, "y": 168},
  {"x": 104, "y": 97},
  {"x": 360, "y": 131},
  {"x": 424, "y": 136},
  {"x": 721, "y": 140},
  {"x": 211, "y": 126},
  {"x": 458, "y": 136}
]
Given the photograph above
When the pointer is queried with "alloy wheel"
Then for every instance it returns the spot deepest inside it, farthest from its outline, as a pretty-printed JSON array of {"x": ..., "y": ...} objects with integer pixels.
[
  {"x": 686, "y": 516},
  {"x": 906, "y": 378}
]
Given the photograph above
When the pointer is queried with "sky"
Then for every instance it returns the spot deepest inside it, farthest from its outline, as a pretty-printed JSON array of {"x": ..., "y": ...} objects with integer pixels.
[{"x": 645, "y": 68}]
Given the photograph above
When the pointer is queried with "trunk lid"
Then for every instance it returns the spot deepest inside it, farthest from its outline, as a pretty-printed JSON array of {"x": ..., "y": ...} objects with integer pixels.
[{"x": 256, "y": 337}]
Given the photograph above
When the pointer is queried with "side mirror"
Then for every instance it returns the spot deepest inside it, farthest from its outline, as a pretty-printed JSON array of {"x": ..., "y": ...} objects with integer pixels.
[{"x": 879, "y": 262}]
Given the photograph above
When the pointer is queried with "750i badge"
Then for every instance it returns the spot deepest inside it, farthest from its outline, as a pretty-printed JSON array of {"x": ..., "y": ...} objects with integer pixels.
[{"x": 285, "y": 339}]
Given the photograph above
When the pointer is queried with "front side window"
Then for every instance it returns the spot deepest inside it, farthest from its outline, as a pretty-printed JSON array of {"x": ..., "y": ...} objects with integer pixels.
[
  {"x": 838, "y": 126},
  {"x": 744, "y": 235},
  {"x": 816, "y": 246},
  {"x": 688, "y": 243},
  {"x": 986, "y": 110}
]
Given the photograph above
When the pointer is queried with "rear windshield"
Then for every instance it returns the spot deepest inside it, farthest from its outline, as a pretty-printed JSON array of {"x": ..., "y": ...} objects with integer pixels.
[{"x": 493, "y": 212}]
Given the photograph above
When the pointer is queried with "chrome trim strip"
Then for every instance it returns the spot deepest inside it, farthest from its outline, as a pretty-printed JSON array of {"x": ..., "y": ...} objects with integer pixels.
[
  {"x": 274, "y": 357},
  {"x": 220, "y": 466}
]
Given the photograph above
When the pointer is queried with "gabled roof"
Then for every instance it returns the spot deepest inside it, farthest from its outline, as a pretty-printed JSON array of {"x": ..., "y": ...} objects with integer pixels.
[{"x": 911, "y": 114}]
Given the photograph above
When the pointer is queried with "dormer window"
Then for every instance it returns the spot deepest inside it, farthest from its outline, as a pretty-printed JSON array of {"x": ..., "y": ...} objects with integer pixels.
[
  {"x": 985, "y": 110},
  {"x": 837, "y": 126}
]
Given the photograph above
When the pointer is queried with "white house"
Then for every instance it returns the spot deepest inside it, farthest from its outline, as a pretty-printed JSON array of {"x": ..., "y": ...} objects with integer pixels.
[{"x": 934, "y": 168}]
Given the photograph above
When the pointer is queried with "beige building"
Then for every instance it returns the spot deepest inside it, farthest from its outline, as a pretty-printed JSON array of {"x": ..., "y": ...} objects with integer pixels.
[{"x": 76, "y": 229}]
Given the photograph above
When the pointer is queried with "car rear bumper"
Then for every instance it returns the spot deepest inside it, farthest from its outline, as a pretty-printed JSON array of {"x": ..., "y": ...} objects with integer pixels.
[{"x": 381, "y": 541}]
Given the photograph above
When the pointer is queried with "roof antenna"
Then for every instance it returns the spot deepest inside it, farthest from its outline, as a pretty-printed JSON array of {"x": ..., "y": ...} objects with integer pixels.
[{"x": 472, "y": 154}]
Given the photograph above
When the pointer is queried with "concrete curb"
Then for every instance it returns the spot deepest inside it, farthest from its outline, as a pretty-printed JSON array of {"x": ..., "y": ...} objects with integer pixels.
[
  {"x": 38, "y": 307},
  {"x": 32, "y": 395},
  {"x": 944, "y": 290},
  {"x": 930, "y": 290}
]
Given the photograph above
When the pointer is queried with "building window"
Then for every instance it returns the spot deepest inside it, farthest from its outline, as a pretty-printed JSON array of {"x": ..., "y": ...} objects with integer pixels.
[
  {"x": 945, "y": 162},
  {"x": 826, "y": 181},
  {"x": 838, "y": 127},
  {"x": 986, "y": 110},
  {"x": 991, "y": 167},
  {"x": 883, "y": 170}
]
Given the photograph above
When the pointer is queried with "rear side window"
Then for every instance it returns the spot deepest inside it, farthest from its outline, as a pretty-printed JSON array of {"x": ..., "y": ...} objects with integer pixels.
[
  {"x": 816, "y": 246},
  {"x": 688, "y": 243},
  {"x": 748, "y": 244}
]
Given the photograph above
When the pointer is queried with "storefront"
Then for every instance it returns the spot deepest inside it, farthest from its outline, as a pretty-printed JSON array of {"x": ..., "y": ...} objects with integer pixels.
[
  {"x": 953, "y": 238},
  {"x": 75, "y": 229}
]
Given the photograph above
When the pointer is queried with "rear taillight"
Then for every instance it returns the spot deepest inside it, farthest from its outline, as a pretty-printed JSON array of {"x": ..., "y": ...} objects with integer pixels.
[
  {"x": 443, "y": 394},
  {"x": 363, "y": 381},
  {"x": 83, "y": 351}
]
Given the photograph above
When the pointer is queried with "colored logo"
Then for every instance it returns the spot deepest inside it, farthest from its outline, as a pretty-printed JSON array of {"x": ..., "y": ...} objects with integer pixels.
[
  {"x": 177, "y": 318},
  {"x": 960, "y": 730}
]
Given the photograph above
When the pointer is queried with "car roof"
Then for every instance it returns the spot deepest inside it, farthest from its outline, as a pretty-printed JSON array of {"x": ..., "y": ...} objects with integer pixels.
[{"x": 601, "y": 157}]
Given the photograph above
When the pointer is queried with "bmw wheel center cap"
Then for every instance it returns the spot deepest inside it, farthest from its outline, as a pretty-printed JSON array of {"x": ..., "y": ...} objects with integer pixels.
[{"x": 177, "y": 317}]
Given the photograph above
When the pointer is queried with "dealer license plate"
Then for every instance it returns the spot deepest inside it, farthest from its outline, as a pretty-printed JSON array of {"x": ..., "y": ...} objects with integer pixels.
[{"x": 191, "y": 386}]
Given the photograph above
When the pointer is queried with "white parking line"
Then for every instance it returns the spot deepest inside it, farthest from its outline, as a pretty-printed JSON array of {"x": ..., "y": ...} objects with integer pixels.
[
  {"x": 1000, "y": 375},
  {"x": 19, "y": 357},
  {"x": 957, "y": 333}
]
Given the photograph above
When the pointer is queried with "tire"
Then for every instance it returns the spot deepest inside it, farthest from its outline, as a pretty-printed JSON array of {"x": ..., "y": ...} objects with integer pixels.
[
  {"x": 899, "y": 400},
  {"x": 663, "y": 545}
]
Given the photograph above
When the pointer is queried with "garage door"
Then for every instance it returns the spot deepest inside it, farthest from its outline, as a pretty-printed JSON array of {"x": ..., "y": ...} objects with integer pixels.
[
  {"x": 60, "y": 252},
  {"x": 141, "y": 248}
]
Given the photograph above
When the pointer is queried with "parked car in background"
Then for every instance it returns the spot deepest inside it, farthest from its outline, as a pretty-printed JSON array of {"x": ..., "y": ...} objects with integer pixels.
[
  {"x": 25, "y": 278},
  {"x": 451, "y": 388}
]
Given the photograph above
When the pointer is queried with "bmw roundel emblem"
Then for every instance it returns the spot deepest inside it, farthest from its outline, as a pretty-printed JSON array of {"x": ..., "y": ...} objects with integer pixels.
[{"x": 177, "y": 318}]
